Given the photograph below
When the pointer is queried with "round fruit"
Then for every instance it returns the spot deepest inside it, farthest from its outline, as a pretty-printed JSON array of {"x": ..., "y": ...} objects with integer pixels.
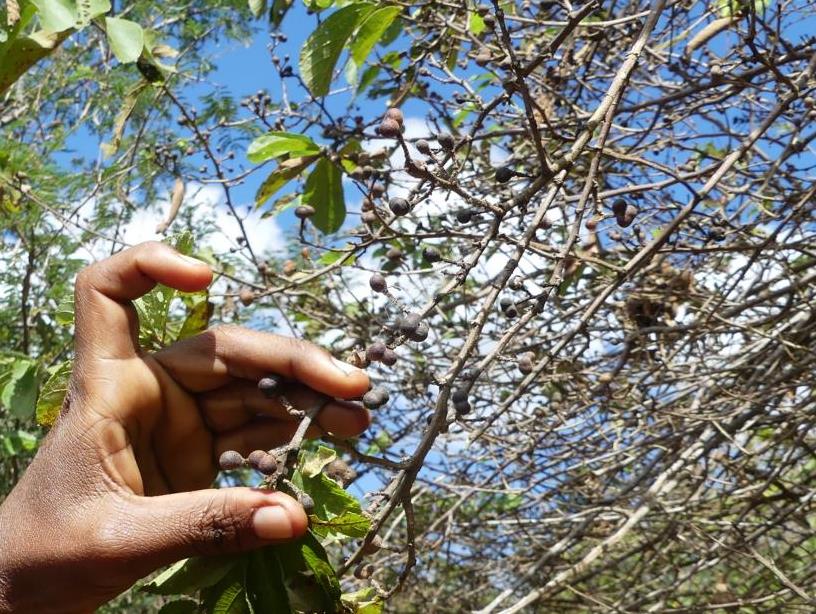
[
  {"x": 460, "y": 401},
  {"x": 230, "y": 460},
  {"x": 375, "y": 398},
  {"x": 376, "y": 351},
  {"x": 389, "y": 128},
  {"x": 619, "y": 207},
  {"x": 592, "y": 223},
  {"x": 504, "y": 174},
  {"x": 255, "y": 457},
  {"x": 389, "y": 358},
  {"x": 505, "y": 303},
  {"x": 306, "y": 502},
  {"x": 378, "y": 189},
  {"x": 369, "y": 217},
  {"x": 605, "y": 378},
  {"x": 463, "y": 216},
  {"x": 421, "y": 332},
  {"x": 395, "y": 114},
  {"x": 431, "y": 254},
  {"x": 423, "y": 147},
  {"x": 394, "y": 254},
  {"x": 340, "y": 471},
  {"x": 268, "y": 464},
  {"x": 483, "y": 58},
  {"x": 408, "y": 324},
  {"x": 246, "y": 296},
  {"x": 367, "y": 205},
  {"x": 304, "y": 212},
  {"x": 445, "y": 141},
  {"x": 399, "y": 206},
  {"x": 270, "y": 386},
  {"x": 377, "y": 283},
  {"x": 525, "y": 362}
]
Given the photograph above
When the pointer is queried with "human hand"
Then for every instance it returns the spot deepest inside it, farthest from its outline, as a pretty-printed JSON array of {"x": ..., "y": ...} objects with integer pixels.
[{"x": 115, "y": 490}]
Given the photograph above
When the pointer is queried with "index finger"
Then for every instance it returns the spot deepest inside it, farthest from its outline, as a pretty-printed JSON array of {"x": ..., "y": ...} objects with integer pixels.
[{"x": 213, "y": 358}]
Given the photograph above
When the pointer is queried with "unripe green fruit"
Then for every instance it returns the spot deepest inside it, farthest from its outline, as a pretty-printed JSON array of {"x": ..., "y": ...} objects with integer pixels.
[
  {"x": 389, "y": 128},
  {"x": 270, "y": 386},
  {"x": 268, "y": 464},
  {"x": 399, "y": 206},
  {"x": 376, "y": 351},
  {"x": 255, "y": 457},
  {"x": 504, "y": 174},
  {"x": 304, "y": 212},
  {"x": 230, "y": 460},
  {"x": 375, "y": 398},
  {"x": 446, "y": 141},
  {"x": 377, "y": 283},
  {"x": 395, "y": 114},
  {"x": 423, "y": 147}
]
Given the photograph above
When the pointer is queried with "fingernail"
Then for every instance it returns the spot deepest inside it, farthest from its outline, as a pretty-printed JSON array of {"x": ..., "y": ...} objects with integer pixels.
[
  {"x": 192, "y": 260},
  {"x": 272, "y": 522},
  {"x": 345, "y": 367}
]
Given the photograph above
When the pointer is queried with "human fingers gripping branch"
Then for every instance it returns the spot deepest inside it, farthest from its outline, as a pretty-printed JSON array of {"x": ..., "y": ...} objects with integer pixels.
[{"x": 119, "y": 487}]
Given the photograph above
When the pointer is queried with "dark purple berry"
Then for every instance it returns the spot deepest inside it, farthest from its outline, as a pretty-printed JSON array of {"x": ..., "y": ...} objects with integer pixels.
[
  {"x": 431, "y": 254},
  {"x": 619, "y": 207},
  {"x": 375, "y": 398},
  {"x": 255, "y": 457},
  {"x": 409, "y": 323},
  {"x": 270, "y": 386},
  {"x": 445, "y": 141},
  {"x": 376, "y": 351},
  {"x": 230, "y": 460},
  {"x": 463, "y": 216},
  {"x": 377, "y": 283},
  {"x": 420, "y": 333},
  {"x": 268, "y": 465},
  {"x": 389, "y": 358},
  {"x": 504, "y": 174},
  {"x": 399, "y": 206}
]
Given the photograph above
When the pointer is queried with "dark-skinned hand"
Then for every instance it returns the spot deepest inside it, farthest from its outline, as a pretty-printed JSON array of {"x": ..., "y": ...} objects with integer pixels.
[{"x": 120, "y": 486}]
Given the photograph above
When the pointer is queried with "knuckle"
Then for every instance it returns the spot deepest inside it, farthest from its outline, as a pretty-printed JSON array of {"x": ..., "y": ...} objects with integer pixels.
[{"x": 220, "y": 526}]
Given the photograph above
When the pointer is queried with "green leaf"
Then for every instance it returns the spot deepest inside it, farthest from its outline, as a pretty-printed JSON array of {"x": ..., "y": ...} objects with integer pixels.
[
  {"x": 371, "y": 31},
  {"x": 65, "y": 311},
  {"x": 20, "y": 392},
  {"x": 321, "y": 51},
  {"x": 332, "y": 257},
  {"x": 56, "y": 15},
  {"x": 276, "y": 144},
  {"x": 476, "y": 24},
  {"x": 286, "y": 171},
  {"x": 324, "y": 192},
  {"x": 364, "y": 601},
  {"x": 191, "y": 575},
  {"x": 199, "y": 312},
  {"x": 349, "y": 523},
  {"x": 265, "y": 586},
  {"x": 88, "y": 9},
  {"x": 329, "y": 497},
  {"x": 313, "y": 462},
  {"x": 24, "y": 52},
  {"x": 257, "y": 7},
  {"x": 126, "y": 39},
  {"x": 278, "y": 11},
  {"x": 183, "y": 606},
  {"x": 310, "y": 580},
  {"x": 52, "y": 394},
  {"x": 18, "y": 442}
]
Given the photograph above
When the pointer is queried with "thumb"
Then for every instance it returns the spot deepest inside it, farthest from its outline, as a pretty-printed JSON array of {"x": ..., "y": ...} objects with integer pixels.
[{"x": 168, "y": 528}]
